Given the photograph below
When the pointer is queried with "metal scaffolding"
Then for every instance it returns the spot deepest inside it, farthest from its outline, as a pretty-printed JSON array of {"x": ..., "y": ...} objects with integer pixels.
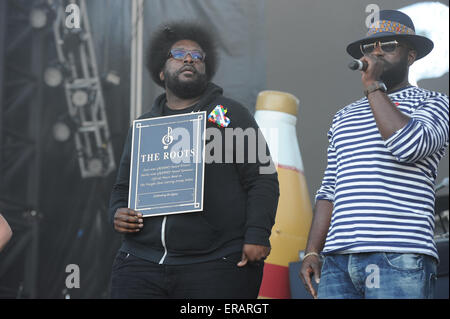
[
  {"x": 83, "y": 90},
  {"x": 26, "y": 29}
]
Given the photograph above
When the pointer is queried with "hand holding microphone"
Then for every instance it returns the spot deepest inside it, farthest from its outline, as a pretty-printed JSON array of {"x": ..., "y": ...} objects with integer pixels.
[{"x": 371, "y": 67}]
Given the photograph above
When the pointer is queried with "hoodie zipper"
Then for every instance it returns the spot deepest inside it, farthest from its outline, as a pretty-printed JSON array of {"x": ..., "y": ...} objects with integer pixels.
[{"x": 163, "y": 239}]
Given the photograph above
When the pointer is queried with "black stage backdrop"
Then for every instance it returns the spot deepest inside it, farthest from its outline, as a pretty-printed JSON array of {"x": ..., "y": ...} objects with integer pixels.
[{"x": 59, "y": 218}]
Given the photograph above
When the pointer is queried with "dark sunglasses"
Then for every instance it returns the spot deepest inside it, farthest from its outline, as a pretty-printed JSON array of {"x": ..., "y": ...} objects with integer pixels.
[
  {"x": 180, "y": 54},
  {"x": 387, "y": 47}
]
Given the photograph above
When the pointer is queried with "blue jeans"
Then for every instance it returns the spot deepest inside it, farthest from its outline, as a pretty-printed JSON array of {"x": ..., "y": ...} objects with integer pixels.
[{"x": 377, "y": 276}]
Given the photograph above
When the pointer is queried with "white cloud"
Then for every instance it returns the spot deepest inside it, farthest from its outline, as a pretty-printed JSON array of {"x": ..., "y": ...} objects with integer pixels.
[{"x": 431, "y": 19}]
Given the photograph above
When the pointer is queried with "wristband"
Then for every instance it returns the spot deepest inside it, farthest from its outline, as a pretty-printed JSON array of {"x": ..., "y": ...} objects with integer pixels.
[
  {"x": 311, "y": 254},
  {"x": 377, "y": 85}
]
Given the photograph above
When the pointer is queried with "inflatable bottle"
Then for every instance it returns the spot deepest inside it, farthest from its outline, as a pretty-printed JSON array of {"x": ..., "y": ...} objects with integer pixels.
[{"x": 276, "y": 115}]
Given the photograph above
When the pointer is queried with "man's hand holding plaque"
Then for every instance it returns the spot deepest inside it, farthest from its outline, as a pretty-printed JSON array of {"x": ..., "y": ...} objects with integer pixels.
[{"x": 127, "y": 220}]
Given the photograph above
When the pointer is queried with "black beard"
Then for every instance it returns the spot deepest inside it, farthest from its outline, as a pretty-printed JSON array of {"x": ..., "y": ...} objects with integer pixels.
[
  {"x": 186, "y": 89},
  {"x": 395, "y": 74}
]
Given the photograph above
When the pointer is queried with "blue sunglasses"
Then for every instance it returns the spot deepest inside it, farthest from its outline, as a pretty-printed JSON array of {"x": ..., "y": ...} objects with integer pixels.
[{"x": 180, "y": 54}]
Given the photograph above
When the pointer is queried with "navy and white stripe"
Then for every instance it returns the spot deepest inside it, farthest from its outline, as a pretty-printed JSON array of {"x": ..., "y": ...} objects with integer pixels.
[{"x": 383, "y": 190}]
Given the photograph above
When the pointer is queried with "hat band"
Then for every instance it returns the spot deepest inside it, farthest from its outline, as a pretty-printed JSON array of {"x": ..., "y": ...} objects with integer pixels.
[{"x": 389, "y": 26}]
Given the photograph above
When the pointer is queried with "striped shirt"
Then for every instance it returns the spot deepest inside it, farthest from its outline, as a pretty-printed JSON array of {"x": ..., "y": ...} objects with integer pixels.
[{"x": 383, "y": 190}]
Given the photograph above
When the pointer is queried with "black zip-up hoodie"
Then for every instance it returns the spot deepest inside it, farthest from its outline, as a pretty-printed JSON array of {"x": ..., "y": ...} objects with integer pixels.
[{"x": 239, "y": 202}]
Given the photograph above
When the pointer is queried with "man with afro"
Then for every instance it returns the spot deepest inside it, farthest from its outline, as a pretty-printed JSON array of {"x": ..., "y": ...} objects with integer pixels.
[{"x": 220, "y": 251}]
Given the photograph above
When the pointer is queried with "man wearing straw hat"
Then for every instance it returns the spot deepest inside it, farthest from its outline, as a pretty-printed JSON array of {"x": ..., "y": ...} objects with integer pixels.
[{"x": 374, "y": 217}]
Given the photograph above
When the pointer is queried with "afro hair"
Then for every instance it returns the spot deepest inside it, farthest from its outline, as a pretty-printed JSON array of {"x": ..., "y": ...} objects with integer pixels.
[{"x": 170, "y": 33}]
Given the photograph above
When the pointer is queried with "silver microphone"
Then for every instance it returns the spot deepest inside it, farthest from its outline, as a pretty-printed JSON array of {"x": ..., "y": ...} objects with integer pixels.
[{"x": 358, "y": 65}]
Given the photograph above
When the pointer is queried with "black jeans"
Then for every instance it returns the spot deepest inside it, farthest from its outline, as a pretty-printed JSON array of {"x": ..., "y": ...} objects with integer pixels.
[{"x": 133, "y": 277}]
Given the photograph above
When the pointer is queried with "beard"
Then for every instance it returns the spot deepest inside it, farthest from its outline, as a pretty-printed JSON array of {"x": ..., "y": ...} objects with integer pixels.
[
  {"x": 394, "y": 74},
  {"x": 191, "y": 88}
]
